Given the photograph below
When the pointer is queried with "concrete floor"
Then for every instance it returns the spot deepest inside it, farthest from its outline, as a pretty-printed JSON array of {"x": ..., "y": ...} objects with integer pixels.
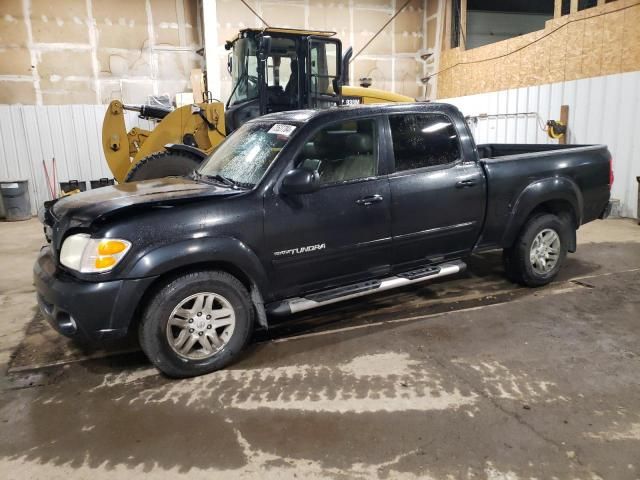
[{"x": 469, "y": 378}]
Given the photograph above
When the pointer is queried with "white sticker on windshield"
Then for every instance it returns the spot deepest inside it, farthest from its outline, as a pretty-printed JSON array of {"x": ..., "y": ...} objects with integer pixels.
[{"x": 282, "y": 129}]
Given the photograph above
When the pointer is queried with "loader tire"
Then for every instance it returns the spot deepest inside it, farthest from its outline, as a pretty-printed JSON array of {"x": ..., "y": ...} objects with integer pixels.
[{"x": 163, "y": 164}]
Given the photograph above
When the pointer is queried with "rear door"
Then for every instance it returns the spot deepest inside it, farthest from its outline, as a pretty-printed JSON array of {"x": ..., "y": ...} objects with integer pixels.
[
  {"x": 437, "y": 198},
  {"x": 340, "y": 233}
]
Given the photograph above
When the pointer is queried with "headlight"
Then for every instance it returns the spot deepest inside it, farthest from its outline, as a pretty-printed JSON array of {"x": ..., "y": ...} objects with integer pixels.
[{"x": 84, "y": 254}]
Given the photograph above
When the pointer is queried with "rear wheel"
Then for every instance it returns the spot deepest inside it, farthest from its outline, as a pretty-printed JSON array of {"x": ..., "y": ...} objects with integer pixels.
[
  {"x": 197, "y": 323},
  {"x": 163, "y": 164},
  {"x": 539, "y": 251}
]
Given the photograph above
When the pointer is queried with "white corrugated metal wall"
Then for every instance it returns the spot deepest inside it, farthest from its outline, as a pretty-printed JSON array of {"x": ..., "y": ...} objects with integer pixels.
[
  {"x": 601, "y": 110},
  {"x": 70, "y": 133}
]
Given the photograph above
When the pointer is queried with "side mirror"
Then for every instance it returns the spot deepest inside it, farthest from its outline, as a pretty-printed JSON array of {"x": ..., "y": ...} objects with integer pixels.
[
  {"x": 264, "y": 47},
  {"x": 299, "y": 181}
]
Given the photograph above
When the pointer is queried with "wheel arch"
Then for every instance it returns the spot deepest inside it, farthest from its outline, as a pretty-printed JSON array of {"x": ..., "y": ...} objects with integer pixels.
[
  {"x": 229, "y": 255},
  {"x": 559, "y": 196}
]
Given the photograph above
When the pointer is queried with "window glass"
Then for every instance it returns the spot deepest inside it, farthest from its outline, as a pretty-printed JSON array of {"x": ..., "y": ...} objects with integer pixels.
[
  {"x": 423, "y": 140},
  {"x": 584, "y": 4},
  {"x": 278, "y": 71},
  {"x": 244, "y": 71},
  {"x": 342, "y": 151},
  {"x": 324, "y": 67},
  {"x": 280, "y": 63},
  {"x": 490, "y": 21},
  {"x": 247, "y": 153}
]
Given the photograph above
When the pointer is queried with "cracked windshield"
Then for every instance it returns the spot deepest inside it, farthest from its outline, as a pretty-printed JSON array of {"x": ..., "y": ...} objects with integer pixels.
[{"x": 246, "y": 155}]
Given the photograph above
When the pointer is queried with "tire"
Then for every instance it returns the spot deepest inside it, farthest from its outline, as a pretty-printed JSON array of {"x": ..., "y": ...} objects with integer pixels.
[
  {"x": 163, "y": 164},
  {"x": 160, "y": 336},
  {"x": 518, "y": 263}
]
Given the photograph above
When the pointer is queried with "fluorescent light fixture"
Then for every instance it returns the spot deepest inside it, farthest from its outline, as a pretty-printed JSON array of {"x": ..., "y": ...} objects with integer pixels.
[{"x": 435, "y": 127}]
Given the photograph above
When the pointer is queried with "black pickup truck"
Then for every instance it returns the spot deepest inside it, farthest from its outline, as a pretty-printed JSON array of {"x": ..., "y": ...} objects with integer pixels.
[{"x": 301, "y": 209}]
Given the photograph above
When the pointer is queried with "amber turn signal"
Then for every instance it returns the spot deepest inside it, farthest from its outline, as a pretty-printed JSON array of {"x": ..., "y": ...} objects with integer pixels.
[
  {"x": 111, "y": 247},
  {"x": 105, "y": 262}
]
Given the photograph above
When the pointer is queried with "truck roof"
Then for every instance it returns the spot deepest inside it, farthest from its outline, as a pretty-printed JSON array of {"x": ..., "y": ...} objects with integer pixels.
[
  {"x": 283, "y": 31},
  {"x": 355, "y": 111},
  {"x": 294, "y": 31}
]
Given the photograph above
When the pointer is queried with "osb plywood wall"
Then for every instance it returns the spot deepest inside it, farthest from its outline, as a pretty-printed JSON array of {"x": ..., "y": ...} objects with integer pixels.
[
  {"x": 391, "y": 60},
  {"x": 92, "y": 51},
  {"x": 602, "y": 40}
]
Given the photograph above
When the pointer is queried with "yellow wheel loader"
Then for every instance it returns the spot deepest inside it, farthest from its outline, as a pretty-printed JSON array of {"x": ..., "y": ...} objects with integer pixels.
[
  {"x": 272, "y": 70},
  {"x": 191, "y": 132}
]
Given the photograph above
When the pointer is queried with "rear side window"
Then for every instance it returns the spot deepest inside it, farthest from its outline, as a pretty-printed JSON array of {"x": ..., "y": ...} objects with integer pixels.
[{"x": 423, "y": 140}]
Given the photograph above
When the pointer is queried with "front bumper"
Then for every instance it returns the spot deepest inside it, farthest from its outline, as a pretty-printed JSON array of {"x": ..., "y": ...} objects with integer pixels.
[{"x": 89, "y": 310}]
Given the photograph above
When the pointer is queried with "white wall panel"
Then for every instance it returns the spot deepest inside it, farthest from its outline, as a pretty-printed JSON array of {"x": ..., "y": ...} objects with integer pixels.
[
  {"x": 70, "y": 133},
  {"x": 601, "y": 110}
]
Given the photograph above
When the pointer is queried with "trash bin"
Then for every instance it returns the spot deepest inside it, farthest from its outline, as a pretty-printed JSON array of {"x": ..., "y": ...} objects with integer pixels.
[
  {"x": 73, "y": 185},
  {"x": 103, "y": 182},
  {"x": 16, "y": 201}
]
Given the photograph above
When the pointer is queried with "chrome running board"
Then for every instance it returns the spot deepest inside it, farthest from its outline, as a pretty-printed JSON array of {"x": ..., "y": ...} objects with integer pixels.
[{"x": 327, "y": 297}]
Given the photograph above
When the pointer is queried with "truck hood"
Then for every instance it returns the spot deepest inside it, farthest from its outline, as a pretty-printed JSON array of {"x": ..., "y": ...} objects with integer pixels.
[{"x": 86, "y": 207}]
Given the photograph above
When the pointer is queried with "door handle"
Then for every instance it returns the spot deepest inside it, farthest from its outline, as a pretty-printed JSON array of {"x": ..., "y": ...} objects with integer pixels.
[
  {"x": 371, "y": 199},
  {"x": 465, "y": 183}
]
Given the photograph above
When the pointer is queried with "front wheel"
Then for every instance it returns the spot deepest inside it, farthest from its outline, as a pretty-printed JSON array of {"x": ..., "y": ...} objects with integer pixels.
[
  {"x": 197, "y": 323},
  {"x": 539, "y": 251}
]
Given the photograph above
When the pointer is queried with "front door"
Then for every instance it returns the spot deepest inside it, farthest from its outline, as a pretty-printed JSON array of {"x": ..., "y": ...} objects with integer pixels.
[
  {"x": 437, "y": 198},
  {"x": 340, "y": 233},
  {"x": 282, "y": 89}
]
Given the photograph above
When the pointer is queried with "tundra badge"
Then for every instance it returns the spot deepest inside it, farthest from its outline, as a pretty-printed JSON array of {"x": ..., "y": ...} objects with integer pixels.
[{"x": 299, "y": 250}]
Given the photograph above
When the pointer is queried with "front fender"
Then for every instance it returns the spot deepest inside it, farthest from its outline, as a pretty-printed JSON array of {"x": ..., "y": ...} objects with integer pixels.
[
  {"x": 535, "y": 194},
  {"x": 195, "y": 251}
]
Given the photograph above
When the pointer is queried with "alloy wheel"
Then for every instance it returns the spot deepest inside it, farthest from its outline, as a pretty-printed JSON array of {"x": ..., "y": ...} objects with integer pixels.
[
  {"x": 545, "y": 251},
  {"x": 201, "y": 325}
]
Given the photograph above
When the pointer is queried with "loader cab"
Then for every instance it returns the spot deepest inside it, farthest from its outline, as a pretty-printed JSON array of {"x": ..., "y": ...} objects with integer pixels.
[{"x": 274, "y": 70}]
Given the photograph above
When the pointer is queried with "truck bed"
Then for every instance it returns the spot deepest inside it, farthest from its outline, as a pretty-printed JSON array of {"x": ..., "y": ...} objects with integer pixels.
[
  {"x": 512, "y": 170},
  {"x": 497, "y": 150}
]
